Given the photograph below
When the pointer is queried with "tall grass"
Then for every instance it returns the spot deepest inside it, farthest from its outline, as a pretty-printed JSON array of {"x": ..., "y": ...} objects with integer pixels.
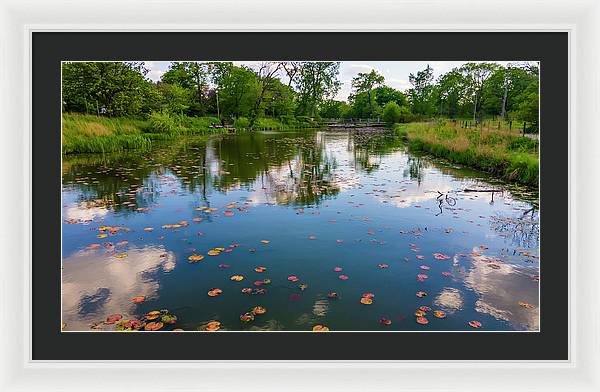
[{"x": 503, "y": 153}]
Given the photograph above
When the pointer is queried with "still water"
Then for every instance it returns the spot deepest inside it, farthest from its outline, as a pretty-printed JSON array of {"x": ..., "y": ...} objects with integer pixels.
[{"x": 346, "y": 230}]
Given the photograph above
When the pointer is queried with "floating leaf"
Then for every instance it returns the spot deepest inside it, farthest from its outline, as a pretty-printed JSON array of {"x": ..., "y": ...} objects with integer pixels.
[
  {"x": 265, "y": 241},
  {"x": 113, "y": 318},
  {"x": 366, "y": 301},
  {"x": 138, "y": 299},
  {"x": 121, "y": 255},
  {"x": 343, "y": 277},
  {"x": 237, "y": 278},
  {"x": 148, "y": 228},
  {"x": 214, "y": 292},
  {"x": 228, "y": 213},
  {"x": 293, "y": 278},
  {"x": 213, "y": 252},
  {"x": 385, "y": 321},
  {"x": 154, "y": 326},
  {"x": 425, "y": 308},
  {"x": 422, "y": 320},
  {"x": 424, "y": 267},
  {"x": 421, "y": 294},
  {"x": 247, "y": 290},
  {"x": 312, "y": 237},
  {"x": 439, "y": 313},
  {"x": 194, "y": 258},
  {"x": 440, "y": 256},
  {"x": 420, "y": 313},
  {"x": 247, "y": 317},
  {"x": 258, "y": 310},
  {"x": 169, "y": 319},
  {"x": 338, "y": 269},
  {"x": 382, "y": 266},
  {"x": 303, "y": 287},
  {"x": 153, "y": 315},
  {"x": 475, "y": 324},
  {"x": 212, "y": 326},
  {"x": 260, "y": 269},
  {"x": 320, "y": 328},
  {"x": 526, "y": 305},
  {"x": 332, "y": 295}
]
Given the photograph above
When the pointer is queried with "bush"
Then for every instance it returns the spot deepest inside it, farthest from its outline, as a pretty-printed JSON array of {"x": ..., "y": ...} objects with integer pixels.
[
  {"x": 241, "y": 123},
  {"x": 391, "y": 113},
  {"x": 163, "y": 122}
]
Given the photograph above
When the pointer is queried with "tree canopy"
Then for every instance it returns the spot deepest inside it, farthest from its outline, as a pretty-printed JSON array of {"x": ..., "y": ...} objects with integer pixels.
[{"x": 300, "y": 88}]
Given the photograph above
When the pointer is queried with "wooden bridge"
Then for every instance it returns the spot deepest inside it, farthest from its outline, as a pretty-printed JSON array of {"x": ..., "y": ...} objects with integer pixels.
[{"x": 353, "y": 123}]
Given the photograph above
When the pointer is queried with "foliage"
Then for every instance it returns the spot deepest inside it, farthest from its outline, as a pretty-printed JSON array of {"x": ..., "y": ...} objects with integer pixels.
[
  {"x": 364, "y": 83},
  {"x": 499, "y": 152},
  {"x": 315, "y": 82},
  {"x": 110, "y": 88},
  {"x": 391, "y": 113}
]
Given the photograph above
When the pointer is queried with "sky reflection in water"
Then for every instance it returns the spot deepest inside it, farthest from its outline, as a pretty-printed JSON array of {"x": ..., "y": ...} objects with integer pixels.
[{"x": 322, "y": 200}]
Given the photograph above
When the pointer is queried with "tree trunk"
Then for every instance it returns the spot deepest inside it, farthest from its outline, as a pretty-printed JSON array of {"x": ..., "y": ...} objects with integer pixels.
[{"x": 505, "y": 96}]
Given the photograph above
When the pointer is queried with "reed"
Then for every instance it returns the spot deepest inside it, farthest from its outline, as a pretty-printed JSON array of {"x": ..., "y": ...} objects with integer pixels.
[{"x": 500, "y": 152}]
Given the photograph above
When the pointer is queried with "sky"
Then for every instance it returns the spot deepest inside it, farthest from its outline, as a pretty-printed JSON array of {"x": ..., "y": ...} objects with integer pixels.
[{"x": 395, "y": 72}]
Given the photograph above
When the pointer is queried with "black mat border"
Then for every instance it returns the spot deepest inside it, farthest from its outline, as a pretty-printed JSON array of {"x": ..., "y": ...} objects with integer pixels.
[{"x": 49, "y": 48}]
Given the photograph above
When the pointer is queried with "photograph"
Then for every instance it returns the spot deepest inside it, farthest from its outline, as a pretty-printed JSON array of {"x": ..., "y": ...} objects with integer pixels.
[{"x": 300, "y": 196}]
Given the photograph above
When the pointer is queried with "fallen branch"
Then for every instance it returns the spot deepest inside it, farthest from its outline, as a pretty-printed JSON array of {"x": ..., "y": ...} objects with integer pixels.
[{"x": 483, "y": 190}]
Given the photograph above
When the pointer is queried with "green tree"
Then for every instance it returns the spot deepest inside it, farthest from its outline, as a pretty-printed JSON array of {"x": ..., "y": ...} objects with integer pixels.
[
  {"x": 192, "y": 75},
  {"x": 334, "y": 109},
  {"x": 385, "y": 94},
  {"x": 315, "y": 82},
  {"x": 391, "y": 113},
  {"x": 421, "y": 92},
  {"x": 111, "y": 88},
  {"x": 476, "y": 74},
  {"x": 365, "y": 82},
  {"x": 237, "y": 87}
]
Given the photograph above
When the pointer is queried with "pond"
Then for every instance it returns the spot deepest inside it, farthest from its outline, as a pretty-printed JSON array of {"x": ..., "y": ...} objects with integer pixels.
[{"x": 343, "y": 229}]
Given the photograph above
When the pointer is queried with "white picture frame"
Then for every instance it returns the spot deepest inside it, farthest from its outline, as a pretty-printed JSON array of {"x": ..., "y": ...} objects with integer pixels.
[{"x": 18, "y": 19}]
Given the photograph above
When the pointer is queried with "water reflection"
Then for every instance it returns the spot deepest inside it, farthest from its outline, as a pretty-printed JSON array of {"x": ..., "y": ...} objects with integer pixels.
[
  {"x": 361, "y": 199},
  {"x": 96, "y": 284}
]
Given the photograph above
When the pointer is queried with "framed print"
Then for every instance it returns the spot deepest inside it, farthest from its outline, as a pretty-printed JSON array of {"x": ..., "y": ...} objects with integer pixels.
[{"x": 264, "y": 201}]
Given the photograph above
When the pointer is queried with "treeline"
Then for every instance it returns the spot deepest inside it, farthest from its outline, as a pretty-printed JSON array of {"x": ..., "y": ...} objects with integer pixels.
[
  {"x": 474, "y": 91},
  {"x": 299, "y": 91},
  {"x": 289, "y": 91}
]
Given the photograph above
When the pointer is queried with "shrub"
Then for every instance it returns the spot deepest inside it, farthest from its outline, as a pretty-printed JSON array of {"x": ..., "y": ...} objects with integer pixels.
[{"x": 391, "y": 112}]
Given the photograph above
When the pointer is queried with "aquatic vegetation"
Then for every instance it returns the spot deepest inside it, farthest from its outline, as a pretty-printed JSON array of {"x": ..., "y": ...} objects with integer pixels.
[{"x": 504, "y": 153}]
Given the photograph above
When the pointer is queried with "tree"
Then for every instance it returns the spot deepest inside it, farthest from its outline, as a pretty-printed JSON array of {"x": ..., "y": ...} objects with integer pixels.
[
  {"x": 192, "y": 75},
  {"x": 334, "y": 109},
  {"x": 391, "y": 113},
  {"x": 528, "y": 106},
  {"x": 421, "y": 91},
  {"x": 385, "y": 94},
  {"x": 365, "y": 83},
  {"x": 111, "y": 88},
  {"x": 476, "y": 75},
  {"x": 237, "y": 87},
  {"x": 175, "y": 98},
  {"x": 265, "y": 75},
  {"x": 449, "y": 91},
  {"x": 316, "y": 81}
]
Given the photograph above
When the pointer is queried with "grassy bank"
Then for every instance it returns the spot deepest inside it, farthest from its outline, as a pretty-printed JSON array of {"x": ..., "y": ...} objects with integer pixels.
[
  {"x": 502, "y": 153},
  {"x": 83, "y": 133}
]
